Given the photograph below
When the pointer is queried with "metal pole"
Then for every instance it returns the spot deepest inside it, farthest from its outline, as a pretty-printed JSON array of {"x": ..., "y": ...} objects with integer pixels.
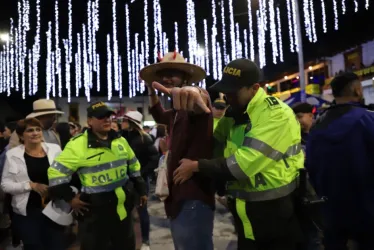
[{"x": 300, "y": 54}]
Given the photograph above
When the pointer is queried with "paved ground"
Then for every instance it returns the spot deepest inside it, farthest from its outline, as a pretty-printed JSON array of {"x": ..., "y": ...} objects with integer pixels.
[{"x": 224, "y": 238}]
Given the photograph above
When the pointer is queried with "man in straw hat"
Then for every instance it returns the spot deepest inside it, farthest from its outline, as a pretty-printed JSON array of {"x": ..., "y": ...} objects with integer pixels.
[
  {"x": 190, "y": 205},
  {"x": 261, "y": 161},
  {"x": 45, "y": 111}
]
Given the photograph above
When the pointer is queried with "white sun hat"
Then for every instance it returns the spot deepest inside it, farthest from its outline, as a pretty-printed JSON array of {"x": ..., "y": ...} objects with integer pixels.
[
  {"x": 136, "y": 117},
  {"x": 60, "y": 211},
  {"x": 43, "y": 107}
]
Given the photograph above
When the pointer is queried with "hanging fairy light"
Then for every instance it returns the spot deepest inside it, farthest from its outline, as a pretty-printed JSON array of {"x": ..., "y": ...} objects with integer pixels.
[
  {"x": 115, "y": 46},
  {"x": 120, "y": 76},
  {"x": 263, "y": 13},
  {"x": 30, "y": 72},
  {"x": 8, "y": 72},
  {"x": 89, "y": 34},
  {"x": 313, "y": 21},
  {"x": 206, "y": 43},
  {"x": 134, "y": 73},
  {"x": 36, "y": 49},
  {"x": 324, "y": 23},
  {"x": 53, "y": 71},
  {"x": 146, "y": 52},
  {"x": 245, "y": 35},
  {"x": 273, "y": 31},
  {"x": 67, "y": 68},
  {"x": 344, "y": 9},
  {"x": 165, "y": 42},
  {"x": 290, "y": 26},
  {"x": 261, "y": 40},
  {"x": 280, "y": 39},
  {"x": 78, "y": 64},
  {"x": 142, "y": 65},
  {"x": 336, "y": 17},
  {"x": 86, "y": 69},
  {"x": 70, "y": 31},
  {"x": 239, "y": 52},
  {"x": 251, "y": 39},
  {"x": 356, "y": 5},
  {"x": 367, "y": 4},
  {"x": 2, "y": 80},
  {"x": 307, "y": 20},
  {"x": 136, "y": 61},
  {"x": 176, "y": 36},
  {"x": 191, "y": 25},
  {"x": 219, "y": 60},
  {"x": 127, "y": 21},
  {"x": 214, "y": 35},
  {"x": 49, "y": 61},
  {"x": 57, "y": 50},
  {"x": 109, "y": 67},
  {"x": 11, "y": 51},
  {"x": 295, "y": 26},
  {"x": 223, "y": 24},
  {"x": 95, "y": 29},
  {"x": 155, "y": 35},
  {"x": 159, "y": 27},
  {"x": 232, "y": 31},
  {"x": 98, "y": 80}
]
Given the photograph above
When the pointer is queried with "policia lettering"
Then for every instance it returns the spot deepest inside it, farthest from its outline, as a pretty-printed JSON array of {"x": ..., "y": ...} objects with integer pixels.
[
  {"x": 232, "y": 71},
  {"x": 109, "y": 177}
]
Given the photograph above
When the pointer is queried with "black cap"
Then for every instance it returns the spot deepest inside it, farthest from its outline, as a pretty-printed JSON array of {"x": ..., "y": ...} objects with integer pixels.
[
  {"x": 99, "y": 110},
  {"x": 219, "y": 104},
  {"x": 237, "y": 74},
  {"x": 302, "y": 107}
]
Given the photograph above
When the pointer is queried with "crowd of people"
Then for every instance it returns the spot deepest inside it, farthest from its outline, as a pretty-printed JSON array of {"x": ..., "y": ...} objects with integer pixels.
[{"x": 290, "y": 182}]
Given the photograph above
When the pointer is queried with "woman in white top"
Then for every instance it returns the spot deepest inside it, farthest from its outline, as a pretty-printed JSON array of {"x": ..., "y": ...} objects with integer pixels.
[{"x": 25, "y": 178}]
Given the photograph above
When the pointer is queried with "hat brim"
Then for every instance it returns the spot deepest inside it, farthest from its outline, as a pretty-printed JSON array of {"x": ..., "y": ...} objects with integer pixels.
[
  {"x": 101, "y": 113},
  {"x": 139, "y": 125},
  {"x": 149, "y": 73},
  {"x": 224, "y": 87},
  {"x": 37, "y": 114}
]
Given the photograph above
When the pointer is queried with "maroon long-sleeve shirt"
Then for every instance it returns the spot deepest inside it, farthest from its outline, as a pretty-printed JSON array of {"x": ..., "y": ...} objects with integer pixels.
[{"x": 191, "y": 137}]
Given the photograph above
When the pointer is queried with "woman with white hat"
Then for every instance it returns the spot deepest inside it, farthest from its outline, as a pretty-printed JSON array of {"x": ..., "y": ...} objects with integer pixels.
[
  {"x": 148, "y": 156},
  {"x": 25, "y": 178}
]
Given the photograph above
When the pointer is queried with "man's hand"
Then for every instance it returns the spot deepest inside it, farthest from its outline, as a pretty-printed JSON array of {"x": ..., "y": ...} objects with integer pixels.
[
  {"x": 78, "y": 206},
  {"x": 143, "y": 200},
  {"x": 185, "y": 171},
  {"x": 39, "y": 188},
  {"x": 186, "y": 98}
]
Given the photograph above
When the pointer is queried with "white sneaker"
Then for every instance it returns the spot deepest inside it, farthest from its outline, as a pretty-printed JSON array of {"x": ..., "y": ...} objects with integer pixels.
[{"x": 145, "y": 247}]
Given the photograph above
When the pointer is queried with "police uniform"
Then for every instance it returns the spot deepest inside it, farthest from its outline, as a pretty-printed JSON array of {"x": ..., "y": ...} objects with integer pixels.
[
  {"x": 105, "y": 168},
  {"x": 261, "y": 163}
]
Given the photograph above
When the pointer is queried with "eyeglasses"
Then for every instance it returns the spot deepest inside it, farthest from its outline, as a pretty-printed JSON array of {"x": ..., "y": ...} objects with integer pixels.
[{"x": 102, "y": 117}]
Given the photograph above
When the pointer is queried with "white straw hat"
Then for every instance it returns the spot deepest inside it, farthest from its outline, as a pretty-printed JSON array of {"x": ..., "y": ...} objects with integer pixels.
[
  {"x": 43, "y": 107},
  {"x": 136, "y": 117}
]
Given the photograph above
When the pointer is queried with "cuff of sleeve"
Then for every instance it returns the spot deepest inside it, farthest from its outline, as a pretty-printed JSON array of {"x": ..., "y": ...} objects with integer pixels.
[
  {"x": 27, "y": 186},
  {"x": 207, "y": 166}
]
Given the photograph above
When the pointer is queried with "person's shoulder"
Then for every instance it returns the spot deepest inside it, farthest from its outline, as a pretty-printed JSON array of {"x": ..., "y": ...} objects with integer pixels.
[
  {"x": 17, "y": 150},
  {"x": 52, "y": 146}
]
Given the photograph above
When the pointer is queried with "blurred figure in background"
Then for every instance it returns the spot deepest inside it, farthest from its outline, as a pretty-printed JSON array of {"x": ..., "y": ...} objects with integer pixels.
[
  {"x": 115, "y": 126},
  {"x": 75, "y": 128},
  {"x": 142, "y": 145},
  {"x": 218, "y": 108},
  {"x": 160, "y": 142},
  {"x": 305, "y": 116},
  {"x": 63, "y": 131}
]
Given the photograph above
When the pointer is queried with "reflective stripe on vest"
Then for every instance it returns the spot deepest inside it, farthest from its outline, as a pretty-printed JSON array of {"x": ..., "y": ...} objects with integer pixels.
[
  {"x": 59, "y": 180},
  {"x": 61, "y": 168},
  {"x": 263, "y": 148},
  {"x": 102, "y": 167},
  {"x": 104, "y": 188},
  {"x": 270, "y": 194},
  {"x": 132, "y": 161}
]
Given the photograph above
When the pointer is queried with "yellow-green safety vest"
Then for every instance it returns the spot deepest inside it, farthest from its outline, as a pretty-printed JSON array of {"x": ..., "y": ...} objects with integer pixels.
[
  {"x": 100, "y": 169},
  {"x": 264, "y": 155}
]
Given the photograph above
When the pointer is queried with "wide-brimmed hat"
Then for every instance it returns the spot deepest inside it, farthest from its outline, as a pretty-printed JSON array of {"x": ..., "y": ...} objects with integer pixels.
[
  {"x": 43, "y": 107},
  {"x": 172, "y": 60},
  {"x": 136, "y": 117}
]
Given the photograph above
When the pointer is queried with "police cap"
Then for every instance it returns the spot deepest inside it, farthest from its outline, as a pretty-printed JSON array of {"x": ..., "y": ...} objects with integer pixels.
[{"x": 99, "y": 110}]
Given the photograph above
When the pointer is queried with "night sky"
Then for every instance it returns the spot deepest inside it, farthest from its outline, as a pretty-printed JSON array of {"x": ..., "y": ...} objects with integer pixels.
[{"x": 354, "y": 29}]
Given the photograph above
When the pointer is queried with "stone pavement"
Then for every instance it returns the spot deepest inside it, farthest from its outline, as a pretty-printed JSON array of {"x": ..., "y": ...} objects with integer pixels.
[{"x": 223, "y": 235}]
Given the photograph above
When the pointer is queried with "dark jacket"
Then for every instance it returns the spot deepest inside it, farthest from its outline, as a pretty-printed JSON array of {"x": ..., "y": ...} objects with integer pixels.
[
  {"x": 340, "y": 162},
  {"x": 144, "y": 149},
  {"x": 191, "y": 137}
]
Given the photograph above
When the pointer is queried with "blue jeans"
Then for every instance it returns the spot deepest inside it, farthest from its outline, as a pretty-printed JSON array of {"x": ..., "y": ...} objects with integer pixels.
[
  {"x": 193, "y": 227},
  {"x": 145, "y": 223}
]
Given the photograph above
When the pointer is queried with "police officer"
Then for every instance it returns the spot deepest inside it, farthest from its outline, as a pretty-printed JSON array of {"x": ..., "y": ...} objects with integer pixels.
[
  {"x": 219, "y": 108},
  {"x": 262, "y": 160},
  {"x": 105, "y": 164}
]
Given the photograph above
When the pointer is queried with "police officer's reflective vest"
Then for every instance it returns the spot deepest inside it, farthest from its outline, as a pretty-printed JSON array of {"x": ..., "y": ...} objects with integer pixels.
[
  {"x": 264, "y": 155},
  {"x": 100, "y": 169}
]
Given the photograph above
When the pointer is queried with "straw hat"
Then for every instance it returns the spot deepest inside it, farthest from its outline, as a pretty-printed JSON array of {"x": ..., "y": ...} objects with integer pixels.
[
  {"x": 172, "y": 60},
  {"x": 136, "y": 117},
  {"x": 43, "y": 107}
]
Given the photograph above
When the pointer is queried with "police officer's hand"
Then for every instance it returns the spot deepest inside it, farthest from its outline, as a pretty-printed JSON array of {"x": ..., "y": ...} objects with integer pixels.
[
  {"x": 186, "y": 98},
  {"x": 185, "y": 171},
  {"x": 79, "y": 206},
  {"x": 143, "y": 200},
  {"x": 39, "y": 188}
]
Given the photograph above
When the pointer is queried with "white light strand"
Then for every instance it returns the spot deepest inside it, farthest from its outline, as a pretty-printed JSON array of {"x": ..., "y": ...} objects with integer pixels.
[
  {"x": 175, "y": 36},
  {"x": 70, "y": 31},
  {"x": 232, "y": 31},
  {"x": 53, "y": 71},
  {"x": 159, "y": 22},
  {"x": 165, "y": 43},
  {"x": 11, "y": 37},
  {"x": 8, "y": 72},
  {"x": 30, "y": 72},
  {"x": 307, "y": 20},
  {"x": 142, "y": 65},
  {"x": 115, "y": 46},
  {"x": 295, "y": 28},
  {"x": 324, "y": 22},
  {"x": 133, "y": 71},
  {"x": 239, "y": 52},
  {"x": 98, "y": 79},
  {"x": 79, "y": 65},
  {"x": 192, "y": 41},
  {"x": 57, "y": 50},
  {"x": 86, "y": 70},
  {"x": 356, "y": 5},
  {"x": 146, "y": 34},
  {"x": 109, "y": 68},
  {"x": 2, "y": 64},
  {"x": 206, "y": 43},
  {"x": 128, "y": 53},
  {"x": 290, "y": 26},
  {"x": 336, "y": 17},
  {"x": 219, "y": 57},
  {"x": 90, "y": 53},
  {"x": 245, "y": 43},
  {"x": 313, "y": 22},
  {"x": 280, "y": 39},
  {"x": 67, "y": 69},
  {"x": 223, "y": 23},
  {"x": 120, "y": 76},
  {"x": 95, "y": 29},
  {"x": 273, "y": 32},
  {"x": 136, "y": 80},
  {"x": 16, "y": 65},
  {"x": 250, "y": 30},
  {"x": 36, "y": 49},
  {"x": 344, "y": 9},
  {"x": 367, "y": 4},
  {"x": 214, "y": 41},
  {"x": 263, "y": 13},
  {"x": 49, "y": 61},
  {"x": 155, "y": 35},
  {"x": 261, "y": 40}
]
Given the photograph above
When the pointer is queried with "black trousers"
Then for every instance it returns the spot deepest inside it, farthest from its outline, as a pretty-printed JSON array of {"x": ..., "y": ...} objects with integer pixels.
[
  {"x": 106, "y": 232},
  {"x": 274, "y": 225}
]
